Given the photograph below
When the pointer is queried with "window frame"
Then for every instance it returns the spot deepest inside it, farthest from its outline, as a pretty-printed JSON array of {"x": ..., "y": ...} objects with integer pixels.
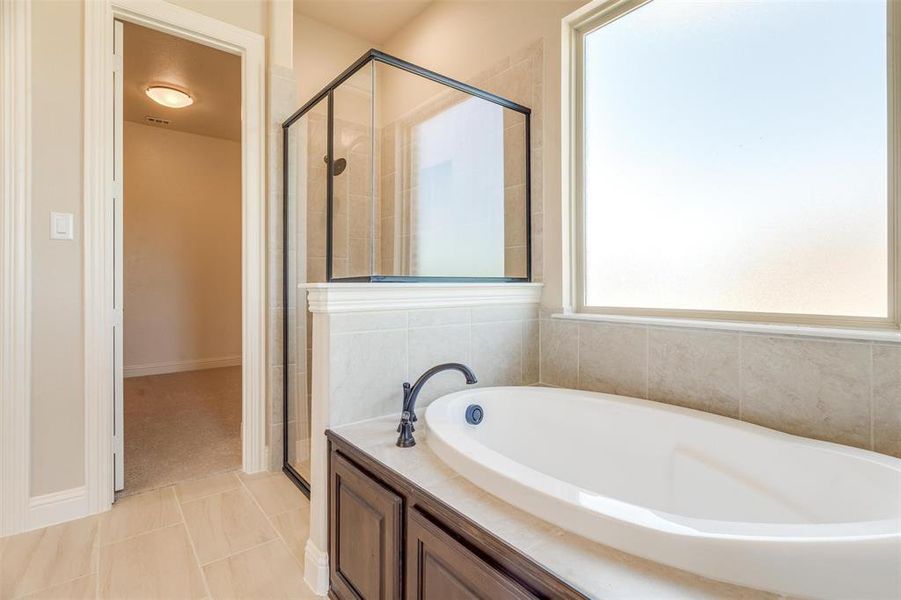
[{"x": 595, "y": 15}]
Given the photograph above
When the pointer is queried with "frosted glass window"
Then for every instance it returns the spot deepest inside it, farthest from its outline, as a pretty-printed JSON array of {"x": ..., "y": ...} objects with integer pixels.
[{"x": 736, "y": 158}]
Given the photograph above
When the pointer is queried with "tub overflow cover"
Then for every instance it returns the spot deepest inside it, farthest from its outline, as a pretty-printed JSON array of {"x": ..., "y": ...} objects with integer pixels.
[{"x": 474, "y": 414}]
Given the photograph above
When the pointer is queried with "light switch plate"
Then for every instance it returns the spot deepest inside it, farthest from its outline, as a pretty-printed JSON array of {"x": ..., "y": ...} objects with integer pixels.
[{"x": 61, "y": 226}]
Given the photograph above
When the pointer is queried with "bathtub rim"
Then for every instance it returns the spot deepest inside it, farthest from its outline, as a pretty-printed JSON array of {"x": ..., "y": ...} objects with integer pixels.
[{"x": 448, "y": 439}]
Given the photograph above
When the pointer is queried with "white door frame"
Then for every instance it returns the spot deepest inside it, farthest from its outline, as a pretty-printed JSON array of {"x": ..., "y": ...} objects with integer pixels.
[
  {"x": 15, "y": 265},
  {"x": 98, "y": 223}
]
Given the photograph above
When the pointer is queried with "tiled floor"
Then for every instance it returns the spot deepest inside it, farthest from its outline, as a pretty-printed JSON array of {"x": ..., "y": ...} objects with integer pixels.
[{"x": 226, "y": 536}]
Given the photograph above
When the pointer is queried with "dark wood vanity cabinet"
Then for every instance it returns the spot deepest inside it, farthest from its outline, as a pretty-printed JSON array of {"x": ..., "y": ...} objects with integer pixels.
[
  {"x": 365, "y": 536},
  {"x": 441, "y": 568},
  {"x": 390, "y": 539}
]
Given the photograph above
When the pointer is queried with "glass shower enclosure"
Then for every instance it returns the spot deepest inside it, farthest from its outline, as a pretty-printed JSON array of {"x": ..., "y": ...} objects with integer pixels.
[{"x": 395, "y": 173}]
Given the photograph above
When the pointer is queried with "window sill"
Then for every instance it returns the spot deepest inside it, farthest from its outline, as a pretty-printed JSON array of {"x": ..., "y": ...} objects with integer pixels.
[{"x": 847, "y": 333}]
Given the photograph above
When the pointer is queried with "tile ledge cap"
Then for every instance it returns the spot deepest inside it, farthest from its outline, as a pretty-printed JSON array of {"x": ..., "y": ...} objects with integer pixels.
[
  {"x": 367, "y": 297},
  {"x": 843, "y": 333}
]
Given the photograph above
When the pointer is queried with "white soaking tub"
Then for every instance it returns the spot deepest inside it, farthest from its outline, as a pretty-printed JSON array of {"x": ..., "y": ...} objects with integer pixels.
[{"x": 711, "y": 495}]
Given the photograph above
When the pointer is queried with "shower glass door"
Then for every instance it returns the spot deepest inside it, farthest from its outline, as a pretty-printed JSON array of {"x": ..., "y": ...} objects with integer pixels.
[{"x": 306, "y": 166}]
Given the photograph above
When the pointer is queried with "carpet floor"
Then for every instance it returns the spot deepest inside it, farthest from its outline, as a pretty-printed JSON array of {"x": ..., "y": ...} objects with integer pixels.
[{"x": 181, "y": 426}]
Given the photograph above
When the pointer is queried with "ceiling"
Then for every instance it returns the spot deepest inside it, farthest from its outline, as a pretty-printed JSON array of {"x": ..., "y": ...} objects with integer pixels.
[
  {"x": 371, "y": 20},
  {"x": 211, "y": 77}
]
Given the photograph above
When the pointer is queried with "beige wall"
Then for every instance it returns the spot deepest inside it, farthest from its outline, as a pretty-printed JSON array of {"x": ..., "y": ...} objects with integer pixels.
[
  {"x": 57, "y": 409},
  {"x": 246, "y": 14},
  {"x": 182, "y": 247},
  {"x": 57, "y": 403},
  {"x": 321, "y": 53}
]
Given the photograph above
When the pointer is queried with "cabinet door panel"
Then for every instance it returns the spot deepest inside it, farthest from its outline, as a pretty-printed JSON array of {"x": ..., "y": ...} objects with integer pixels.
[
  {"x": 365, "y": 538},
  {"x": 440, "y": 568}
]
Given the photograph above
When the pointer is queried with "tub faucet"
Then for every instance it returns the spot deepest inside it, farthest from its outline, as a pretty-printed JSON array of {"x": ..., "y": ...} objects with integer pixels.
[{"x": 408, "y": 416}]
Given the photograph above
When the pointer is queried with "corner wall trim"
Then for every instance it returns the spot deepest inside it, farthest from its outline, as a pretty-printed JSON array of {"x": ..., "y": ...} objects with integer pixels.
[
  {"x": 15, "y": 264},
  {"x": 180, "y": 366},
  {"x": 98, "y": 227}
]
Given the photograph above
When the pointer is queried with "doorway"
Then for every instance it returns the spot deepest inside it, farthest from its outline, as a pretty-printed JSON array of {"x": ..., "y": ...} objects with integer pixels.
[
  {"x": 102, "y": 125},
  {"x": 178, "y": 271}
]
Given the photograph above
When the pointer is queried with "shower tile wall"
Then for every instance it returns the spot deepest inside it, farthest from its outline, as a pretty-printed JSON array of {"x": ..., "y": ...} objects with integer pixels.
[
  {"x": 282, "y": 98},
  {"x": 518, "y": 77}
]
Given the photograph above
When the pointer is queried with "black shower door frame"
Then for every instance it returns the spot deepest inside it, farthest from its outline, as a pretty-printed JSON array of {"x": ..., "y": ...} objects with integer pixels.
[{"x": 327, "y": 93}]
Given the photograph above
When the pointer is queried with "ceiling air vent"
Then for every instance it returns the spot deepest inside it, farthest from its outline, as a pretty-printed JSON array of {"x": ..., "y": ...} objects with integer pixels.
[{"x": 156, "y": 121}]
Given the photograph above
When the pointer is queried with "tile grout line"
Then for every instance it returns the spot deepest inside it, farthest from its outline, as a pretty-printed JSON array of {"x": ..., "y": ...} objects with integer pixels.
[
  {"x": 234, "y": 473},
  {"x": 237, "y": 553},
  {"x": 137, "y": 535},
  {"x": 872, "y": 396},
  {"x": 741, "y": 383},
  {"x": 184, "y": 523},
  {"x": 278, "y": 534},
  {"x": 647, "y": 363},
  {"x": 93, "y": 573}
]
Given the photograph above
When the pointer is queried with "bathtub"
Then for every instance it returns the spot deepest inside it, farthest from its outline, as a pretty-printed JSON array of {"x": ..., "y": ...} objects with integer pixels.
[{"x": 711, "y": 495}]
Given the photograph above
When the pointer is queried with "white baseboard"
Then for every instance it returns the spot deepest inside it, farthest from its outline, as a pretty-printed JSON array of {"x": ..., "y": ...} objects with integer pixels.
[
  {"x": 57, "y": 507},
  {"x": 315, "y": 569},
  {"x": 161, "y": 368}
]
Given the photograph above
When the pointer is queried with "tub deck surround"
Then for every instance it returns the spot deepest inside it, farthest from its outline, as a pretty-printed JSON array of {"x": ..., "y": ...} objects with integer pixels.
[
  {"x": 593, "y": 569},
  {"x": 696, "y": 491}
]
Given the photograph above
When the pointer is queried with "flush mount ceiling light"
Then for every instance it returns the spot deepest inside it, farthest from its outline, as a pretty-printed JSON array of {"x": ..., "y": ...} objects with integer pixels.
[{"x": 169, "y": 96}]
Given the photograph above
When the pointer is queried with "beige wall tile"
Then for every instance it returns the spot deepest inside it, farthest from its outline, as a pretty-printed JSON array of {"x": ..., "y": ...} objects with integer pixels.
[
  {"x": 367, "y": 321},
  {"x": 696, "y": 369},
  {"x": 224, "y": 524},
  {"x": 813, "y": 388},
  {"x": 530, "y": 351},
  {"x": 559, "y": 352},
  {"x": 207, "y": 486},
  {"x": 276, "y": 435},
  {"x": 267, "y": 571},
  {"x": 430, "y": 346},
  {"x": 515, "y": 262},
  {"x": 134, "y": 515},
  {"x": 46, "y": 557},
  {"x": 514, "y": 153},
  {"x": 275, "y": 493},
  {"x": 360, "y": 218},
  {"x": 159, "y": 564},
  {"x": 276, "y": 389},
  {"x": 497, "y": 353},
  {"x": 887, "y": 399},
  {"x": 439, "y": 316},
  {"x": 504, "y": 312},
  {"x": 378, "y": 363},
  {"x": 613, "y": 359},
  {"x": 515, "y": 215},
  {"x": 316, "y": 232}
]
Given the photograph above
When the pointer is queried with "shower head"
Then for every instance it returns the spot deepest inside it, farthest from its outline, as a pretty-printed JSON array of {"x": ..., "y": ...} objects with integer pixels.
[{"x": 338, "y": 167}]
